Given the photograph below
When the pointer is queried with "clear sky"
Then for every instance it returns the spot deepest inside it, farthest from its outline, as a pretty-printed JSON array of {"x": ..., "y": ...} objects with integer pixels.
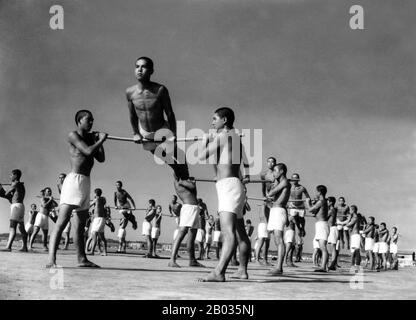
[{"x": 336, "y": 105}]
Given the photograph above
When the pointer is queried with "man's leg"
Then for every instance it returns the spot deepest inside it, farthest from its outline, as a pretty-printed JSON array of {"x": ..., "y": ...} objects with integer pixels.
[
  {"x": 24, "y": 236},
  {"x": 324, "y": 250},
  {"x": 228, "y": 222},
  {"x": 347, "y": 237},
  {"x": 154, "y": 247},
  {"x": 191, "y": 248},
  {"x": 104, "y": 241},
  {"x": 244, "y": 248},
  {"x": 80, "y": 219},
  {"x": 149, "y": 246},
  {"x": 32, "y": 238},
  {"x": 176, "y": 245},
  {"x": 45, "y": 239},
  {"x": 333, "y": 265},
  {"x": 93, "y": 241},
  {"x": 63, "y": 218},
  {"x": 260, "y": 242},
  {"x": 12, "y": 235},
  {"x": 281, "y": 250},
  {"x": 266, "y": 252},
  {"x": 341, "y": 237}
]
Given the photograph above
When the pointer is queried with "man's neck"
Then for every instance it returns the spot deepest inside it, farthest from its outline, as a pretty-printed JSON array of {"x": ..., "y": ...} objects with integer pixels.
[{"x": 142, "y": 84}]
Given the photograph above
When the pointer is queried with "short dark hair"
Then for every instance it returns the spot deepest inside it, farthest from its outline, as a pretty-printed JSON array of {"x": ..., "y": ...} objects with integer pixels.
[
  {"x": 18, "y": 173},
  {"x": 282, "y": 166},
  {"x": 394, "y": 228},
  {"x": 341, "y": 198},
  {"x": 332, "y": 200},
  {"x": 273, "y": 158},
  {"x": 81, "y": 114},
  {"x": 98, "y": 192},
  {"x": 383, "y": 223},
  {"x": 121, "y": 183},
  {"x": 226, "y": 112},
  {"x": 152, "y": 201},
  {"x": 372, "y": 218},
  {"x": 148, "y": 61},
  {"x": 159, "y": 206},
  {"x": 354, "y": 206},
  {"x": 322, "y": 189},
  {"x": 47, "y": 188},
  {"x": 63, "y": 174},
  {"x": 248, "y": 221}
]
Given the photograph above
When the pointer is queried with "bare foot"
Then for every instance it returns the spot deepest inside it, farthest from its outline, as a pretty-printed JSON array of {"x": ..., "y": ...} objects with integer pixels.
[
  {"x": 104, "y": 254},
  {"x": 173, "y": 264},
  {"x": 195, "y": 263},
  {"x": 51, "y": 265},
  {"x": 321, "y": 270},
  {"x": 87, "y": 264},
  {"x": 6, "y": 250},
  {"x": 240, "y": 274},
  {"x": 23, "y": 250},
  {"x": 212, "y": 277},
  {"x": 274, "y": 272}
]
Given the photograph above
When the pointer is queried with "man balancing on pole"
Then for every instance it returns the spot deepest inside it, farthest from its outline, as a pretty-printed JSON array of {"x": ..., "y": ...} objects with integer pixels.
[{"x": 148, "y": 102}]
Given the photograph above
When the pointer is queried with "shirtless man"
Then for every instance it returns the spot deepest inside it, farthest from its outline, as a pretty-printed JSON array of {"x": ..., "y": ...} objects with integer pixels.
[
  {"x": 147, "y": 227},
  {"x": 289, "y": 240},
  {"x": 383, "y": 234},
  {"x": 320, "y": 211},
  {"x": 296, "y": 209},
  {"x": 121, "y": 234},
  {"x": 42, "y": 219},
  {"x": 98, "y": 224},
  {"x": 208, "y": 235},
  {"x": 333, "y": 240},
  {"x": 249, "y": 230},
  {"x": 217, "y": 237},
  {"x": 148, "y": 101},
  {"x": 32, "y": 217},
  {"x": 353, "y": 223},
  {"x": 263, "y": 236},
  {"x": 156, "y": 223},
  {"x": 188, "y": 222},
  {"x": 279, "y": 193},
  {"x": 15, "y": 196},
  {"x": 393, "y": 248},
  {"x": 84, "y": 147},
  {"x": 61, "y": 179},
  {"x": 369, "y": 234},
  {"x": 343, "y": 232},
  {"x": 230, "y": 191},
  {"x": 123, "y": 201}
]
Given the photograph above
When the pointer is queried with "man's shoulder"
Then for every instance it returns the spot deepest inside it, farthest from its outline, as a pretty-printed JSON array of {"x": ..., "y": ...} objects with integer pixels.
[{"x": 131, "y": 89}]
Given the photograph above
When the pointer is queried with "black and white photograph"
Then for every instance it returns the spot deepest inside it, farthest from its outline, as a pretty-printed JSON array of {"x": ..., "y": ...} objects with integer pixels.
[{"x": 220, "y": 151}]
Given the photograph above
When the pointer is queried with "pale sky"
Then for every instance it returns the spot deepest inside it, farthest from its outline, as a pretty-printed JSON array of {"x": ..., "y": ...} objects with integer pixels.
[{"x": 336, "y": 105}]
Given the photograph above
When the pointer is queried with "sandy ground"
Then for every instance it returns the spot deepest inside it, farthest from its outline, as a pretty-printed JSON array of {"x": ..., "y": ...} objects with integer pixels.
[{"x": 130, "y": 276}]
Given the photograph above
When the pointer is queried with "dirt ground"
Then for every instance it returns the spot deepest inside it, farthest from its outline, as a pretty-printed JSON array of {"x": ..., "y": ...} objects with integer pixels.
[{"x": 130, "y": 276}]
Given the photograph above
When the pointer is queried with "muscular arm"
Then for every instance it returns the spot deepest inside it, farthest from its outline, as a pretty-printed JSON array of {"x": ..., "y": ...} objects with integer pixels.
[
  {"x": 115, "y": 199},
  {"x": 167, "y": 107},
  {"x": 86, "y": 150},
  {"x": 274, "y": 190},
  {"x": 134, "y": 119},
  {"x": 131, "y": 199},
  {"x": 305, "y": 192},
  {"x": 352, "y": 221},
  {"x": 263, "y": 185},
  {"x": 315, "y": 208}
]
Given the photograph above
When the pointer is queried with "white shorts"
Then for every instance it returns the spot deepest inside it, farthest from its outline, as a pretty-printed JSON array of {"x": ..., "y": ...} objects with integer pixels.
[
  {"x": 333, "y": 235},
  {"x": 296, "y": 212},
  {"x": 208, "y": 238},
  {"x": 189, "y": 216},
  {"x": 76, "y": 191},
  {"x": 121, "y": 233},
  {"x": 98, "y": 224},
  {"x": 383, "y": 247},
  {"x": 231, "y": 196},
  {"x": 17, "y": 212},
  {"x": 376, "y": 247},
  {"x": 155, "y": 233},
  {"x": 175, "y": 233},
  {"x": 321, "y": 230},
  {"x": 315, "y": 244},
  {"x": 277, "y": 219},
  {"x": 289, "y": 236},
  {"x": 29, "y": 227},
  {"x": 200, "y": 235},
  {"x": 393, "y": 248},
  {"x": 151, "y": 146},
  {"x": 68, "y": 227},
  {"x": 346, "y": 228},
  {"x": 262, "y": 231},
  {"x": 369, "y": 244},
  {"x": 217, "y": 236},
  {"x": 42, "y": 221},
  {"x": 355, "y": 241},
  {"x": 146, "y": 228}
]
